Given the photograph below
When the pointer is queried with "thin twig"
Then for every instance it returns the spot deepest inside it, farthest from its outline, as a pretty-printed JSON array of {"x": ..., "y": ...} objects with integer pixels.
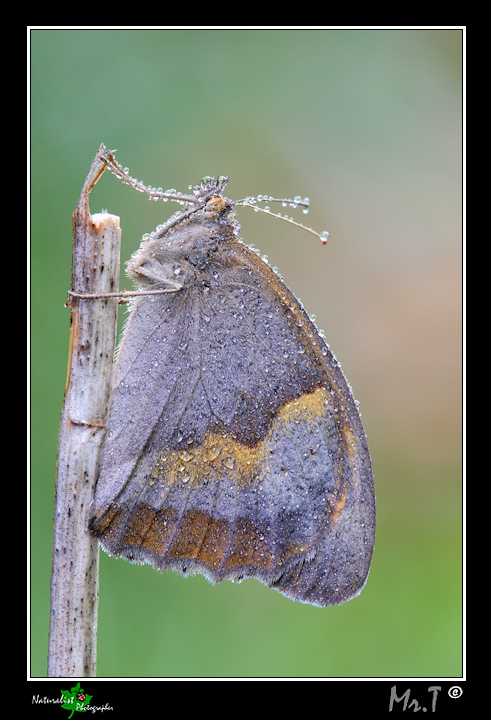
[{"x": 75, "y": 566}]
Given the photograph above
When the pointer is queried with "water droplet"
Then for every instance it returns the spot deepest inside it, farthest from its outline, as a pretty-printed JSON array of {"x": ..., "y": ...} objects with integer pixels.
[
  {"x": 213, "y": 453},
  {"x": 185, "y": 456}
]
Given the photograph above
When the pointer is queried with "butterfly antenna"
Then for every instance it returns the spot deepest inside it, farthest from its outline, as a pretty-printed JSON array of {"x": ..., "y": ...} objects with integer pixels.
[{"x": 295, "y": 202}]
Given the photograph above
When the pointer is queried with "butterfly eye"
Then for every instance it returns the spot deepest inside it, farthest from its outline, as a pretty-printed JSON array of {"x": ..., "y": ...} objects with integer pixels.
[{"x": 216, "y": 204}]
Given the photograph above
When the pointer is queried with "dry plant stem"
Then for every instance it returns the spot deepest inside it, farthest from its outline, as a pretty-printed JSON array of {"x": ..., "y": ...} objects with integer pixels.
[{"x": 75, "y": 567}]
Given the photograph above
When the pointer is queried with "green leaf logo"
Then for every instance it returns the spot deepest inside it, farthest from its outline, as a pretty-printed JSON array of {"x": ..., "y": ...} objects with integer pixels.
[{"x": 75, "y": 700}]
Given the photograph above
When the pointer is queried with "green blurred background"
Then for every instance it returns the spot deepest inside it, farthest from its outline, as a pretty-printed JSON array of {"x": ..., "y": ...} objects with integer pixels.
[{"x": 368, "y": 124}]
